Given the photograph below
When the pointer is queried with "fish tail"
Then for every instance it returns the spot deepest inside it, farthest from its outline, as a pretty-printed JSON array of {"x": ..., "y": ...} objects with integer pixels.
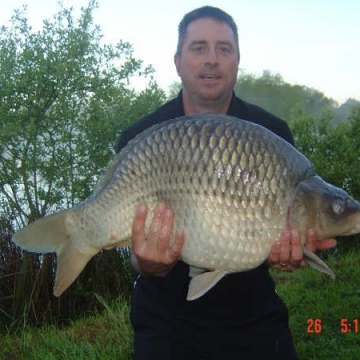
[
  {"x": 44, "y": 235},
  {"x": 51, "y": 234},
  {"x": 70, "y": 263}
]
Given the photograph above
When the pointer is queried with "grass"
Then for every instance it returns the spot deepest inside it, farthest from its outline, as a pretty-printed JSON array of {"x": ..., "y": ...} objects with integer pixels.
[
  {"x": 106, "y": 335},
  {"x": 316, "y": 306},
  {"x": 316, "y": 303}
]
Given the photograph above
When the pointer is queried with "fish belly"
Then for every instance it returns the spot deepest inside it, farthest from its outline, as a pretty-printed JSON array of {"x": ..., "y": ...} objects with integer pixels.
[{"x": 228, "y": 186}]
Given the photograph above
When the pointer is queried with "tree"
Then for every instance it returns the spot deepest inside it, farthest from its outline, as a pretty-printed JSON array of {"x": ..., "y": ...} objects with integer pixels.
[
  {"x": 333, "y": 150},
  {"x": 64, "y": 98},
  {"x": 272, "y": 93},
  {"x": 174, "y": 89},
  {"x": 345, "y": 110}
]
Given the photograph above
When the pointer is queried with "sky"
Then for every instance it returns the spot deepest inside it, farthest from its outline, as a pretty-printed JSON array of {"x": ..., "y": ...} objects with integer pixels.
[{"x": 315, "y": 43}]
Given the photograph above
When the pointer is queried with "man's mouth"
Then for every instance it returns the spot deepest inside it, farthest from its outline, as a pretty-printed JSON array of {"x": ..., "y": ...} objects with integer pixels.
[{"x": 210, "y": 76}]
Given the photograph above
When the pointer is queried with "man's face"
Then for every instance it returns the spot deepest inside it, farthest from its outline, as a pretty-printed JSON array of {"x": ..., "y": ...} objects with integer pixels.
[{"x": 209, "y": 60}]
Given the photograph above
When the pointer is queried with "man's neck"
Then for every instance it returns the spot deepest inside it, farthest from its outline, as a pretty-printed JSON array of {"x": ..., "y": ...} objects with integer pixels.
[{"x": 198, "y": 106}]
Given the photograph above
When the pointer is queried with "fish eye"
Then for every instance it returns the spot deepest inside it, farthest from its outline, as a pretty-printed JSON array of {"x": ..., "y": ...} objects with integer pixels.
[{"x": 338, "y": 206}]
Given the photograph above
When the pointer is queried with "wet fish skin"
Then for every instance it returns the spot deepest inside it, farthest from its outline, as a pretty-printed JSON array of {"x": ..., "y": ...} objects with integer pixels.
[{"x": 233, "y": 186}]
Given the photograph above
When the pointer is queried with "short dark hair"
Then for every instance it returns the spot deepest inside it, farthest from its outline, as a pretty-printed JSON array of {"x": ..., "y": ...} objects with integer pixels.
[{"x": 201, "y": 13}]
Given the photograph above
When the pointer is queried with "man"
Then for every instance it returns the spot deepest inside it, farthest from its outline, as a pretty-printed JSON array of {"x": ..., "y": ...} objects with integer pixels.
[{"x": 241, "y": 317}]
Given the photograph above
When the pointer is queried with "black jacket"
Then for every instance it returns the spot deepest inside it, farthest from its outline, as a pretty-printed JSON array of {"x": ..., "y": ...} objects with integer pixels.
[
  {"x": 237, "y": 108},
  {"x": 238, "y": 300}
]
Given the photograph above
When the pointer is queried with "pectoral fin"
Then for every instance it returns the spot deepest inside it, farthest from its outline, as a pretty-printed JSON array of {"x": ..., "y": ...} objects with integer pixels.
[
  {"x": 313, "y": 260},
  {"x": 202, "y": 281}
]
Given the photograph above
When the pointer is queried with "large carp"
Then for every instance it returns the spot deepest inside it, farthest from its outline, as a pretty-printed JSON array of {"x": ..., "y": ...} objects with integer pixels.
[{"x": 233, "y": 186}]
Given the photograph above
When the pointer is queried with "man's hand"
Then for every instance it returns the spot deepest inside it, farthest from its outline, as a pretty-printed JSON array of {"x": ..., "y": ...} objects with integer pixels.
[
  {"x": 152, "y": 253},
  {"x": 286, "y": 254}
]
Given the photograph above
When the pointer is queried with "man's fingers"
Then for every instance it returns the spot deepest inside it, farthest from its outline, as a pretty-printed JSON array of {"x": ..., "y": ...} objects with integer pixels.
[
  {"x": 286, "y": 254},
  {"x": 296, "y": 249},
  {"x": 325, "y": 244},
  {"x": 153, "y": 252},
  {"x": 156, "y": 224},
  {"x": 177, "y": 245},
  {"x": 165, "y": 231},
  {"x": 310, "y": 240},
  {"x": 274, "y": 255},
  {"x": 138, "y": 227},
  {"x": 285, "y": 247},
  {"x": 312, "y": 244}
]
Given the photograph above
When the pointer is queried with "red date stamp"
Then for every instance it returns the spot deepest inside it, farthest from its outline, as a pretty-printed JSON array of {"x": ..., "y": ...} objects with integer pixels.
[
  {"x": 347, "y": 325},
  {"x": 314, "y": 326}
]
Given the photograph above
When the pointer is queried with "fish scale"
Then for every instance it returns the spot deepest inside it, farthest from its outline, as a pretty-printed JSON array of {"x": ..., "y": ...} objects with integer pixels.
[
  {"x": 197, "y": 137},
  {"x": 233, "y": 186}
]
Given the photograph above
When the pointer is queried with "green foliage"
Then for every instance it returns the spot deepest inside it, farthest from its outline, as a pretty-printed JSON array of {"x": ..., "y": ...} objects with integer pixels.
[
  {"x": 174, "y": 89},
  {"x": 345, "y": 110},
  {"x": 272, "y": 93},
  {"x": 308, "y": 294},
  {"x": 334, "y": 152},
  {"x": 105, "y": 335},
  {"x": 64, "y": 98}
]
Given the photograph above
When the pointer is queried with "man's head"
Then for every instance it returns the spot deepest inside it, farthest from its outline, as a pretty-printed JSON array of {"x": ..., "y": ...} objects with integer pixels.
[
  {"x": 207, "y": 59},
  {"x": 206, "y": 12}
]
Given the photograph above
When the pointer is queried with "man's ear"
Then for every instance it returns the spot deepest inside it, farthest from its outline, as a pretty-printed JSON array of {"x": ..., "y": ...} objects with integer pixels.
[{"x": 177, "y": 63}]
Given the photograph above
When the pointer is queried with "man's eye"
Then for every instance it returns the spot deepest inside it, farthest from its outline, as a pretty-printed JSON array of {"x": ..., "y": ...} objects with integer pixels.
[
  {"x": 225, "y": 50},
  {"x": 198, "y": 48}
]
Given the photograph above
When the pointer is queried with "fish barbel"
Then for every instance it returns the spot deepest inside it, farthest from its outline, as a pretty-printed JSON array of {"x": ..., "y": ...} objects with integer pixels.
[{"x": 233, "y": 186}]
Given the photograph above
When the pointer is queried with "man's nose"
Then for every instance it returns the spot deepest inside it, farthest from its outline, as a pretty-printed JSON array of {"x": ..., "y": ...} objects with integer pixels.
[{"x": 212, "y": 56}]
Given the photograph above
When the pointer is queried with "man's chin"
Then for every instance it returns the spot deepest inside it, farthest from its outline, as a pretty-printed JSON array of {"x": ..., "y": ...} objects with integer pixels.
[{"x": 211, "y": 96}]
